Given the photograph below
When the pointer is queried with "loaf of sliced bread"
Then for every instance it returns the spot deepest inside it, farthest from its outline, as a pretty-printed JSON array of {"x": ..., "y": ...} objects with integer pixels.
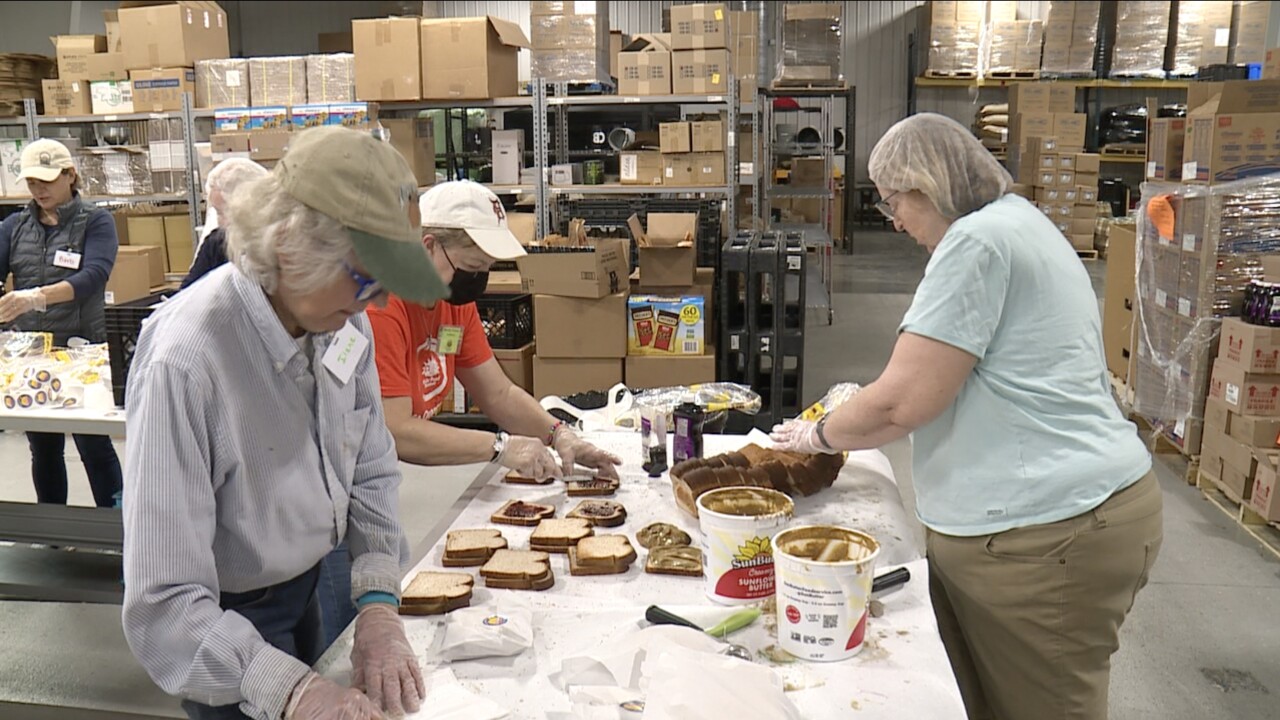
[
  {"x": 601, "y": 555},
  {"x": 435, "y": 593},
  {"x": 467, "y": 548}
]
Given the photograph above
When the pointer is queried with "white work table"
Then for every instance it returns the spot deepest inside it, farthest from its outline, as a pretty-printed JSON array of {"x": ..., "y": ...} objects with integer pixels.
[
  {"x": 99, "y": 416},
  {"x": 901, "y": 672}
]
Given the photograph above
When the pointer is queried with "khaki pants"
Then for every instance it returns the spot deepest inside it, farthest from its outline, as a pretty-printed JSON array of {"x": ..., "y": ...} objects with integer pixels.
[{"x": 1031, "y": 617}]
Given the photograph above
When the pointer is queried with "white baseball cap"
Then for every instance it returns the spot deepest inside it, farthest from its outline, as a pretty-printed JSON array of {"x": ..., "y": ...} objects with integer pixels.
[
  {"x": 473, "y": 208},
  {"x": 44, "y": 160}
]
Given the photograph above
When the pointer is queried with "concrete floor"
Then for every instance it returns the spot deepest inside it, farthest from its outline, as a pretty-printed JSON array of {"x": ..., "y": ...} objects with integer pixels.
[{"x": 1200, "y": 643}]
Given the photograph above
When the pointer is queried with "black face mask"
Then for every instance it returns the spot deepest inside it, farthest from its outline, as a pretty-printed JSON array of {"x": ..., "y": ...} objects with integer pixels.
[{"x": 467, "y": 287}]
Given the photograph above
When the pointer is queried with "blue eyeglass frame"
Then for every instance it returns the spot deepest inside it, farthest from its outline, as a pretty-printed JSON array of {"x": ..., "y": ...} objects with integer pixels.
[{"x": 367, "y": 288}]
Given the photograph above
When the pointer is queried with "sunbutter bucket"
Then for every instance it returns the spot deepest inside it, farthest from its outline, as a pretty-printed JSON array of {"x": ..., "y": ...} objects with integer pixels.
[
  {"x": 824, "y": 582},
  {"x": 737, "y": 524}
]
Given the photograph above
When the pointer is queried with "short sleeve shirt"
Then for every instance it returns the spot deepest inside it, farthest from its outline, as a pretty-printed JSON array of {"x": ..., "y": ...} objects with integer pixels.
[
  {"x": 1034, "y": 435},
  {"x": 411, "y": 361}
]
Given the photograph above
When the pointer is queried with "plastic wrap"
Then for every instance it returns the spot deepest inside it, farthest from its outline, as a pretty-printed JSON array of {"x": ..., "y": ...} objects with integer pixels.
[
  {"x": 569, "y": 65},
  {"x": 1070, "y": 39},
  {"x": 1014, "y": 46},
  {"x": 1191, "y": 272},
  {"x": 812, "y": 42},
  {"x": 1204, "y": 32},
  {"x": 570, "y": 41},
  {"x": 34, "y": 375},
  {"x": 331, "y": 78},
  {"x": 278, "y": 80},
  {"x": 838, "y": 395},
  {"x": 118, "y": 170},
  {"x": 1249, "y": 42},
  {"x": 1142, "y": 33},
  {"x": 222, "y": 83}
]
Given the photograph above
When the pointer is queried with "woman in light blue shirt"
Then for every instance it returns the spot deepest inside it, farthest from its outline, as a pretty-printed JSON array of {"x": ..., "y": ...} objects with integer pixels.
[{"x": 1042, "y": 512}]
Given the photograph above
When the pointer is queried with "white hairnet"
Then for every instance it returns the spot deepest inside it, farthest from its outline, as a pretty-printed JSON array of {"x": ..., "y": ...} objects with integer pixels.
[
  {"x": 939, "y": 157},
  {"x": 231, "y": 174}
]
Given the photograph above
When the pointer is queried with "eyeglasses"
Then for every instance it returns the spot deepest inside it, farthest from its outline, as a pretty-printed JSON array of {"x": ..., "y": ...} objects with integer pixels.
[
  {"x": 366, "y": 287},
  {"x": 884, "y": 207},
  {"x": 455, "y": 267}
]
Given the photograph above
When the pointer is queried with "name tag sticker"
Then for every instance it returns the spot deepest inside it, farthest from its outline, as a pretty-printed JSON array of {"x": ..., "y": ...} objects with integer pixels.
[
  {"x": 450, "y": 339},
  {"x": 66, "y": 259},
  {"x": 344, "y": 353}
]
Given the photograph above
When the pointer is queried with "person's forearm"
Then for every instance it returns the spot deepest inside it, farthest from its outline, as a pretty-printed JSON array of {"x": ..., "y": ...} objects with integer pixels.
[
  {"x": 58, "y": 293},
  {"x": 870, "y": 419},
  {"x": 518, "y": 413},
  {"x": 425, "y": 442}
]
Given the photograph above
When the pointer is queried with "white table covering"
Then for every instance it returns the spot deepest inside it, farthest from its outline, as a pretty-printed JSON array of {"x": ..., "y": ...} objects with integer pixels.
[{"x": 902, "y": 671}]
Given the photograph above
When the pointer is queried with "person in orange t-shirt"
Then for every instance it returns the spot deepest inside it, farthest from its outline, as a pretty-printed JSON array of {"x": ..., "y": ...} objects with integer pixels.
[{"x": 420, "y": 350}]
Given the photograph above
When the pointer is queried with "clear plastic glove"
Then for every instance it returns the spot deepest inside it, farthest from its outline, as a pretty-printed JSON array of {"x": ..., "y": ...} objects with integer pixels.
[
  {"x": 315, "y": 698},
  {"x": 798, "y": 436},
  {"x": 573, "y": 450},
  {"x": 20, "y": 302},
  {"x": 383, "y": 663},
  {"x": 528, "y": 457}
]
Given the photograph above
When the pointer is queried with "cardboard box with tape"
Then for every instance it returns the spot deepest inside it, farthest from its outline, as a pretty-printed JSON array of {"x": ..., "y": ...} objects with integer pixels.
[
  {"x": 591, "y": 269},
  {"x": 668, "y": 248},
  {"x": 173, "y": 34},
  {"x": 470, "y": 58},
  {"x": 388, "y": 62},
  {"x": 644, "y": 66}
]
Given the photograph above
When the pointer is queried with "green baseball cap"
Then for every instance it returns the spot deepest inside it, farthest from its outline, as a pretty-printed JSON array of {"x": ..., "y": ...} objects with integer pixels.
[{"x": 366, "y": 185}]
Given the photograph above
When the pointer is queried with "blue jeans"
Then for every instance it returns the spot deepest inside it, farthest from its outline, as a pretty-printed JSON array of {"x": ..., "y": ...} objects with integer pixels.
[
  {"x": 288, "y": 617},
  {"x": 49, "y": 467},
  {"x": 334, "y": 590}
]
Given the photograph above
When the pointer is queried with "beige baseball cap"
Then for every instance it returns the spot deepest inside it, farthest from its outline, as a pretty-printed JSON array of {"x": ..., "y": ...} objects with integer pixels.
[
  {"x": 367, "y": 186},
  {"x": 473, "y": 208},
  {"x": 44, "y": 160}
]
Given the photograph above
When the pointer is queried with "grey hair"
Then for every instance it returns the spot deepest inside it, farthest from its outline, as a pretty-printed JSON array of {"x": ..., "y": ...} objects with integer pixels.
[
  {"x": 449, "y": 237},
  {"x": 231, "y": 174},
  {"x": 266, "y": 223}
]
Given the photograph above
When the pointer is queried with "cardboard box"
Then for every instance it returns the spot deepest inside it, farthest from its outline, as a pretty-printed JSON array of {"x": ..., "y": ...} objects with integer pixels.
[
  {"x": 72, "y": 53},
  {"x": 617, "y": 41},
  {"x": 677, "y": 169},
  {"x": 590, "y": 273},
  {"x": 518, "y": 365},
  {"x": 1236, "y": 481},
  {"x": 566, "y": 174},
  {"x": 1024, "y": 125},
  {"x": 574, "y": 327},
  {"x": 667, "y": 249},
  {"x": 66, "y": 97},
  {"x": 1217, "y": 418},
  {"x": 647, "y": 371},
  {"x": 106, "y": 66},
  {"x": 508, "y": 156},
  {"x": 1264, "y": 499},
  {"x": 388, "y": 58},
  {"x": 130, "y": 276},
  {"x": 1069, "y": 129},
  {"x": 1271, "y": 65},
  {"x": 1166, "y": 138},
  {"x": 279, "y": 81},
  {"x": 1086, "y": 163},
  {"x": 1222, "y": 141},
  {"x": 1251, "y": 430},
  {"x": 1031, "y": 97},
  {"x": 1252, "y": 348},
  {"x": 1245, "y": 393},
  {"x": 700, "y": 72},
  {"x": 698, "y": 27},
  {"x": 268, "y": 145},
  {"x": 111, "y": 97},
  {"x": 224, "y": 145},
  {"x": 470, "y": 58},
  {"x": 563, "y": 377},
  {"x": 640, "y": 168},
  {"x": 415, "y": 139},
  {"x": 808, "y": 172},
  {"x": 148, "y": 230},
  {"x": 161, "y": 89},
  {"x": 666, "y": 326},
  {"x": 644, "y": 66},
  {"x": 302, "y": 117},
  {"x": 707, "y": 136},
  {"x": 707, "y": 168},
  {"x": 178, "y": 243},
  {"x": 174, "y": 34},
  {"x": 675, "y": 137}
]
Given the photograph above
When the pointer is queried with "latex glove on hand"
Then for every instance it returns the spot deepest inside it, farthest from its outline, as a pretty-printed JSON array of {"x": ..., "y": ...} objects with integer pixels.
[
  {"x": 573, "y": 450},
  {"x": 315, "y": 698},
  {"x": 799, "y": 436},
  {"x": 528, "y": 457},
  {"x": 383, "y": 663},
  {"x": 20, "y": 302}
]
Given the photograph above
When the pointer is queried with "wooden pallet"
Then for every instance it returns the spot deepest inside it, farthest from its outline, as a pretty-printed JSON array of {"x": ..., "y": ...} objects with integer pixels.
[
  {"x": 1087, "y": 254},
  {"x": 1014, "y": 74},
  {"x": 1268, "y": 534},
  {"x": 799, "y": 84},
  {"x": 951, "y": 73},
  {"x": 1124, "y": 150}
]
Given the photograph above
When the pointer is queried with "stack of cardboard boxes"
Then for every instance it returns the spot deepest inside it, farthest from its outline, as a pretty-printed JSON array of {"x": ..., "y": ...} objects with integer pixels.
[
  {"x": 701, "y": 63},
  {"x": 1014, "y": 46},
  {"x": 1142, "y": 35},
  {"x": 644, "y": 65},
  {"x": 1070, "y": 38},
  {"x": 746, "y": 53},
  {"x": 1242, "y": 414},
  {"x": 153, "y": 241},
  {"x": 570, "y": 41},
  {"x": 1203, "y": 32},
  {"x": 955, "y": 34},
  {"x": 692, "y": 154},
  {"x": 1250, "y": 40},
  {"x": 1224, "y": 121}
]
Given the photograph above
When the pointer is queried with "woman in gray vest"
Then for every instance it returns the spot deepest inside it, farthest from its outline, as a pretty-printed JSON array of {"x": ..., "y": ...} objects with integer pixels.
[{"x": 60, "y": 251}]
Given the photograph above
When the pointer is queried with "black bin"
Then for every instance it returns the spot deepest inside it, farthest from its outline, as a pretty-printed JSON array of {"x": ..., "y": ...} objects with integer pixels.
[
  {"x": 507, "y": 320},
  {"x": 124, "y": 325}
]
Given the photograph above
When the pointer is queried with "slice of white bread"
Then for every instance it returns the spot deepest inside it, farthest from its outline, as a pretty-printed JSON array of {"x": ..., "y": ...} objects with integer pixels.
[
  {"x": 559, "y": 533},
  {"x": 516, "y": 564},
  {"x": 601, "y": 555},
  {"x": 434, "y": 593},
  {"x": 464, "y": 548}
]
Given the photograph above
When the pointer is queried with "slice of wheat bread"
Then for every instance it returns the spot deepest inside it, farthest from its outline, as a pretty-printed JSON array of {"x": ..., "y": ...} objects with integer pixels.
[
  {"x": 588, "y": 487},
  {"x": 516, "y": 565},
  {"x": 601, "y": 513},
  {"x": 542, "y": 582},
  {"x": 433, "y": 593},
  {"x": 515, "y": 478},
  {"x": 601, "y": 555},
  {"x": 674, "y": 560},
  {"x": 557, "y": 534},
  {"x": 463, "y": 548},
  {"x": 519, "y": 512}
]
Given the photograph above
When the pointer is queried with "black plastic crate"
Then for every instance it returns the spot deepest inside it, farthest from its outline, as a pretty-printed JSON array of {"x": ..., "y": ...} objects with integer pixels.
[
  {"x": 507, "y": 320},
  {"x": 124, "y": 326}
]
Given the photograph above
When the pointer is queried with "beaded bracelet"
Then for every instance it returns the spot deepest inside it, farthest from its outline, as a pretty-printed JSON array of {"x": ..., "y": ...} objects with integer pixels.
[{"x": 551, "y": 436}]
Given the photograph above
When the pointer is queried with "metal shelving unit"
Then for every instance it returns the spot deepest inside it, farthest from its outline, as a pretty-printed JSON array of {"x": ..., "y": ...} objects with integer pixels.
[{"x": 610, "y": 189}]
